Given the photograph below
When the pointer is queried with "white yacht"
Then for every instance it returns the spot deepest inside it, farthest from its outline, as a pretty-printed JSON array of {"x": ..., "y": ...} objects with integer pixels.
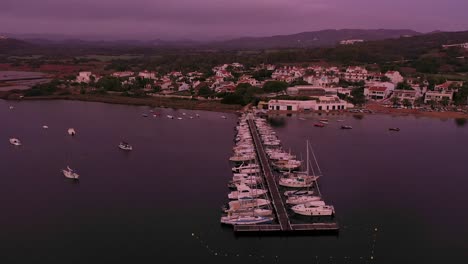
[
  {"x": 245, "y": 220},
  {"x": 296, "y": 182},
  {"x": 253, "y": 212},
  {"x": 313, "y": 210},
  {"x": 125, "y": 146},
  {"x": 242, "y": 158},
  {"x": 70, "y": 173},
  {"x": 245, "y": 166},
  {"x": 243, "y": 191},
  {"x": 170, "y": 117},
  {"x": 302, "y": 199},
  {"x": 45, "y": 127},
  {"x": 243, "y": 204},
  {"x": 71, "y": 131},
  {"x": 15, "y": 141}
]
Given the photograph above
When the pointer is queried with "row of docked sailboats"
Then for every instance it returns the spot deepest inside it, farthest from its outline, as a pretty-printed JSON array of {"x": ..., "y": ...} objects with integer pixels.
[
  {"x": 249, "y": 203},
  {"x": 301, "y": 194}
]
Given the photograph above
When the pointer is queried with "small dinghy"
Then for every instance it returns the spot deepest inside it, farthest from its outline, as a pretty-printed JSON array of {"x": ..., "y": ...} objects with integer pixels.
[
  {"x": 144, "y": 115},
  {"x": 298, "y": 193},
  {"x": 319, "y": 125},
  {"x": 346, "y": 127},
  {"x": 71, "y": 131},
  {"x": 70, "y": 173},
  {"x": 394, "y": 129},
  {"x": 223, "y": 117},
  {"x": 170, "y": 117},
  {"x": 15, "y": 141},
  {"x": 45, "y": 127},
  {"x": 179, "y": 118},
  {"x": 125, "y": 146}
]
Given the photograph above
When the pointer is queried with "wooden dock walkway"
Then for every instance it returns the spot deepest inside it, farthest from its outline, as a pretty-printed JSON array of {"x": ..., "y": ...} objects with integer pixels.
[{"x": 277, "y": 202}]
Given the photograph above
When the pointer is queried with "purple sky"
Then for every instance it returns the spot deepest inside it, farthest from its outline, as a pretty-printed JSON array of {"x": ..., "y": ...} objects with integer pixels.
[{"x": 198, "y": 19}]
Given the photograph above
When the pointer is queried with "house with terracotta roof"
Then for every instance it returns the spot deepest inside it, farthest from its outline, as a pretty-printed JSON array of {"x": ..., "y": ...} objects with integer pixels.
[
  {"x": 355, "y": 74},
  {"x": 376, "y": 92}
]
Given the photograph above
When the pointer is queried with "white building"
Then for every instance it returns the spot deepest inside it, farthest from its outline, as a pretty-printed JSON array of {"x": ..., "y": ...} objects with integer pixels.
[
  {"x": 85, "y": 77},
  {"x": 323, "y": 103},
  {"x": 147, "y": 75},
  {"x": 355, "y": 74},
  {"x": 438, "y": 96},
  {"x": 351, "y": 41},
  {"x": 410, "y": 95},
  {"x": 324, "y": 81},
  {"x": 394, "y": 76},
  {"x": 123, "y": 74},
  {"x": 311, "y": 90},
  {"x": 460, "y": 45},
  {"x": 376, "y": 92}
]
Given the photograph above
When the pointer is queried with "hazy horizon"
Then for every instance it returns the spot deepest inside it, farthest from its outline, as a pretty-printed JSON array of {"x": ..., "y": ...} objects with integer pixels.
[{"x": 221, "y": 19}]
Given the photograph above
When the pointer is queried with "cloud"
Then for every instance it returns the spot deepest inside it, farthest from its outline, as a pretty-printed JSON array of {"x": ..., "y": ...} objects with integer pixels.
[{"x": 187, "y": 18}]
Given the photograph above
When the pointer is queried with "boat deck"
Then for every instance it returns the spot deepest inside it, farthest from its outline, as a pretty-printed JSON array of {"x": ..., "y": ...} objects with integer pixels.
[
  {"x": 294, "y": 228},
  {"x": 277, "y": 202}
]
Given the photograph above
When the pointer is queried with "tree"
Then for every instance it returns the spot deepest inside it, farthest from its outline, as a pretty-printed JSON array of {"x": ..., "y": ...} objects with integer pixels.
[
  {"x": 233, "y": 98},
  {"x": 358, "y": 97},
  {"x": 109, "y": 83},
  {"x": 274, "y": 86},
  {"x": 385, "y": 79},
  {"x": 262, "y": 75},
  {"x": 445, "y": 101},
  {"x": 461, "y": 97},
  {"x": 205, "y": 91},
  {"x": 407, "y": 103},
  {"x": 395, "y": 100},
  {"x": 404, "y": 86}
]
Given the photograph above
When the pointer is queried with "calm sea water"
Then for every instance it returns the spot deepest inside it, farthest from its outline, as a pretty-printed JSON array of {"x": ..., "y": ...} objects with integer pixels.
[{"x": 400, "y": 197}]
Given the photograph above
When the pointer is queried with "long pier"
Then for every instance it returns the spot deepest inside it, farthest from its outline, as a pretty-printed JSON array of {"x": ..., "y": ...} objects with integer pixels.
[
  {"x": 284, "y": 224},
  {"x": 281, "y": 213}
]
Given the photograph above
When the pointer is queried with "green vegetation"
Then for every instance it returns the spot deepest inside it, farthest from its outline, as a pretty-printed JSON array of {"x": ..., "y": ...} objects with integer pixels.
[
  {"x": 404, "y": 86},
  {"x": 357, "y": 96},
  {"x": 461, "y": 97},
  {"x": 274, "y": 87},
  {"x": 44, "y": 89}
]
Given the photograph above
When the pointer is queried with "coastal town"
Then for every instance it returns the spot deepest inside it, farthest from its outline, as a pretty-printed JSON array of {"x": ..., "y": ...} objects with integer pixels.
[{"x": 276, "y": 88}]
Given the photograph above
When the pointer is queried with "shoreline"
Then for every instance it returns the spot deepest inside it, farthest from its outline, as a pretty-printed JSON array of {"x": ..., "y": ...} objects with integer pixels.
[
  {"x": 213, "y": 106},
  {"x": 391, "y": 112},
  {"x": 216, "y": 106}
]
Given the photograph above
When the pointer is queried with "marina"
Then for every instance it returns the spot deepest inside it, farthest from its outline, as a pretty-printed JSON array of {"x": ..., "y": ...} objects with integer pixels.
[{"x": 262, "y": 170}]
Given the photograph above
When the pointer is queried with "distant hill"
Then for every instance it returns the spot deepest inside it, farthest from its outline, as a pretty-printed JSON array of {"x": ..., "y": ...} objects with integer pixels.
[
  {"x": 323, "y": 38},
  {"x": 8, "y": 44}
]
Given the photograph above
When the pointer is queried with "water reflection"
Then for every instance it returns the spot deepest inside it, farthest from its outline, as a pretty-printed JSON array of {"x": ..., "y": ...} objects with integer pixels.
[
  {"x": 358, "y": 117},
  {"x": 461, "y": 122},
  {"x": 277, "y": 121}
]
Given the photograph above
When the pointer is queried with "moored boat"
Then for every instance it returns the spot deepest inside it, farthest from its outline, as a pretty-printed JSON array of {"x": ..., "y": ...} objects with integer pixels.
[
  {"x": 313, "y": 210},
  {"x": 394, "y": 129},
  {"x": 125, "y": 146},
  {"x": 319, "y": 125},
  {"x": 15, "y": 141},
  {"x": 245, "y": 220},
  {"x": 71, "y": 131},
  {"x": 70, "y": 173},
  {"x": 346, "y": 127}
]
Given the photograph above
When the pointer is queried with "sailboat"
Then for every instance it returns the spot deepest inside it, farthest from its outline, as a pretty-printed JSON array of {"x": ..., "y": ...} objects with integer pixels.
[
  {"x": 70, "y": 173},
  {"x": 299, "y": 179},
  {"x": 311, "y": 209}
]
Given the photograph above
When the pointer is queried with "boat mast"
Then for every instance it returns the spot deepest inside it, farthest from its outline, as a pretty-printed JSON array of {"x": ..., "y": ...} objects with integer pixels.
[{"x": 307, "y": 147}]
